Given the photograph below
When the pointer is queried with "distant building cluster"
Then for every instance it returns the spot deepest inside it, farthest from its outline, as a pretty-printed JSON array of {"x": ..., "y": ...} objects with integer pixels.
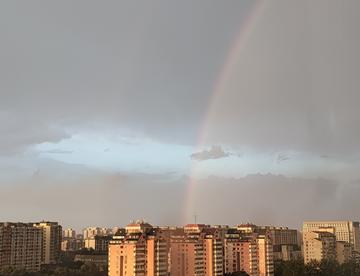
[{"x": 196, "y": 249}]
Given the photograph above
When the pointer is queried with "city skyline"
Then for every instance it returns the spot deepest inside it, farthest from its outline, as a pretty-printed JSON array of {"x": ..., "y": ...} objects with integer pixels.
[
  {"x": 235, "y": 112},
  {"x": 139, "y": 248}
]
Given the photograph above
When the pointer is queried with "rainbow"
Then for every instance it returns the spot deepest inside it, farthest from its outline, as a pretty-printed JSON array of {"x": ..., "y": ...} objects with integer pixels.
[{"x": 219, "y": 86}]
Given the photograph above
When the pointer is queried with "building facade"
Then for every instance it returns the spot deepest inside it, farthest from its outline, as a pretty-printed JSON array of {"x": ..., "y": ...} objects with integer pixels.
[
  {"x": 51, "y": 241},
  {"x": 20, "y": 246},
  {"x": 347, "y": 231},
  {"x": 319, "y": 245},
  {"x": 92, "y": 231},
  {"x": 265, "y": 255},
  {"x": 240, "y": 253},
  {"x": 138, "y": 252},
  {"x": 98, "y": 243},
  {"x": 69, "y": 233}
]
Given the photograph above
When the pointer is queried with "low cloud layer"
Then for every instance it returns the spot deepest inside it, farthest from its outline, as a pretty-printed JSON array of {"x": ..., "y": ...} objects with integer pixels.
[
  {"x": 69, "y": 194},
  {"x": 215, "y": 152},
  {"x": 281, "y": 157},
  {"x": 58, "y": 151}
]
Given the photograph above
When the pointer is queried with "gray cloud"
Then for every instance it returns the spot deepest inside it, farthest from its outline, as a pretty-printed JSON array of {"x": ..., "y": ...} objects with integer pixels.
[
  {"x": 215, "y": 152},
  {"x": 284, "y": 200},
  {"x": 273, "y": 199},
  {"x": 294, "y": 84},
  {"x": 58, "y": 151},
  {"x": 281, "y": 157},
  {"x": 18, "y": 131},
  {"x": 150, "y": 69},
  {"x": 117, "y": 66}
]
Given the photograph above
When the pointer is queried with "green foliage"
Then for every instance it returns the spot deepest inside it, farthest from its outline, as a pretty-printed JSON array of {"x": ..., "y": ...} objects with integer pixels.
[
  {"x": 314, "y": 268},
  {"x": 70, "y": 269},
  {"x": 239, "y": 273}
]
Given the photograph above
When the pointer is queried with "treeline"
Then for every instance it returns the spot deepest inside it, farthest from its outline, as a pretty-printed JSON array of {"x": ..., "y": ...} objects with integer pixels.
[
  {"x": 315, "y": 268},
  {"x": 75, "y": 269}
]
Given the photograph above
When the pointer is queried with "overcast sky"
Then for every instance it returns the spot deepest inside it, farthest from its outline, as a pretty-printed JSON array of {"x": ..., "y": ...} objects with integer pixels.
[{"x": 118, "y": 110}]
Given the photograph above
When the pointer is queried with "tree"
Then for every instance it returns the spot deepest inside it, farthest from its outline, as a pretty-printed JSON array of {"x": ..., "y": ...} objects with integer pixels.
[{"x": 238, "y": 273}]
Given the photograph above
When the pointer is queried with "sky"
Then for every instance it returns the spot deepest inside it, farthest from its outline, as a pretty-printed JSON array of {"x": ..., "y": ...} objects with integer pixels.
[{"x": 158, "y": 109}]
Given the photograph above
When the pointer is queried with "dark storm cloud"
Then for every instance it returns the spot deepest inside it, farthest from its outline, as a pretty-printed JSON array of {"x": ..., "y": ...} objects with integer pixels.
[
  {"x": 295, "y": 83},
  {"x": 151, "y": 68},
  {"x": 18, "y": 131},
  {"x": 118, "y": 65}
]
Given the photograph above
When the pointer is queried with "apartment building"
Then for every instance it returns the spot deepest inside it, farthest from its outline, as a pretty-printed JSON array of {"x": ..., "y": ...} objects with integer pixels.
[
  {"x": 72, "y": 244},
  {"x": 127, "y": 256},
  {"x": 319, "y": 245},
  {"x": 240, "y": 253},
  {"x": 138, "y": 226},
  {"x": 265, "y": 255},
  {"x": 197, "y": 251},
  {"x": 20, "y": 246},
  {"x": 157, "y": 253},
  {"x": 98, "y": 243},
  {"x": 141, "y": 252},
  {"x": 69, "y": 233},
  {"x": 51, "y": 241},
  {"x": 213, "y": 252},
  {"x": 346, "y": 231},
  {"x": 343, "y": 252},
  {"x": 186, "y": 256},
  {"x": 92, "y": 231},
  {"x": 286, "y": 242}
]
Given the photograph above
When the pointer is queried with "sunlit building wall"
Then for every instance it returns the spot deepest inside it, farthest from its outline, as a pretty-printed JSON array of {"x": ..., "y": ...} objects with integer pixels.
[{"x": 51, "y": 241}]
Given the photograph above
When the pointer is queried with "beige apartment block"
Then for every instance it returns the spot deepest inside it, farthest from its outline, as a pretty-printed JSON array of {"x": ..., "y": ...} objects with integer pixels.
[
  {"x": 138, "y": 253},
  {"x": 69, "y": 233},
  {"x": 319, "y": 245},
  {"x": 347, "y": 231},
  {"x": 213, "y": 257},
  {"x": 51, "y": 241},
  {"x": 265, "y": 255},
  {"x": 186, "y": 256},
  {"x": 198, "y": 251}
]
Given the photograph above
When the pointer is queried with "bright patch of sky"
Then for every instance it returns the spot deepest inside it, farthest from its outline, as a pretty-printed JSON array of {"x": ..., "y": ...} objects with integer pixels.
[
  {"x": 124, "y": 154},
  {"x": 142, "y": 155}
]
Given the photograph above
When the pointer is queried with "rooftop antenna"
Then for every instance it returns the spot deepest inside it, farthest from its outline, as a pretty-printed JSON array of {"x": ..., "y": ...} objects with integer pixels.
[{"x": 195, "y": 218}]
